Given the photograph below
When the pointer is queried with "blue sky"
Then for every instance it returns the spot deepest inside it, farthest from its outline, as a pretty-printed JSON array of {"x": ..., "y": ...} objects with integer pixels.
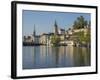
[{"x": 44, "y": 21}]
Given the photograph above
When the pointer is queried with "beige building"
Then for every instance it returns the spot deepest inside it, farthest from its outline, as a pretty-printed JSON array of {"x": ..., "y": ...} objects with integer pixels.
[{"x": 44, "y": 38}]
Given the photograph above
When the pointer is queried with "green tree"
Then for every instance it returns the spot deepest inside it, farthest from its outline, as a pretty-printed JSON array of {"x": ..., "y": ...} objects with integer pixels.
[
  {"x": 85, "y": 23},
  {"x": 82, "y": 38},
  {"x": 80, "y": 22},
  {"x": 88, "y": 37},
  {"x": 55, "y": 40}
]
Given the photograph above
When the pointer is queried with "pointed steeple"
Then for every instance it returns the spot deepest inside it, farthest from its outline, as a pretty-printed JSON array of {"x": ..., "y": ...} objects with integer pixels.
[
  {"x": 55, "y": 24},
  {"x": 55, "y": 28},
  {"x": 64, "y": 33},
  {"x": 34, "y": 32}
]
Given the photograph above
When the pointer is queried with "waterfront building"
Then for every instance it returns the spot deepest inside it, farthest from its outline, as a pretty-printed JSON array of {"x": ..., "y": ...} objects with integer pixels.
[
  {"x": 34, "y": 39},
  {"x": 28, "y": 39},
  {"x": 67, "y": 37},
  {"x": 44, "y": 38},
  {"x": 67, "y": 42},
  {"x": 37, "y": 39}
]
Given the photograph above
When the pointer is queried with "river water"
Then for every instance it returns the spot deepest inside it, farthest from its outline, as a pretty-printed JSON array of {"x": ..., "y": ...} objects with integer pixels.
[{"x": 35, "y": 57}]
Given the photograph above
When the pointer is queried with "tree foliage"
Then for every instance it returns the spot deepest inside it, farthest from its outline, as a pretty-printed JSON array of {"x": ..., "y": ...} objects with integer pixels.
[
  {"x": 82, "y": 38},
  {"x": 80, "y": 22},
  {"x": 55, "y": 40}
]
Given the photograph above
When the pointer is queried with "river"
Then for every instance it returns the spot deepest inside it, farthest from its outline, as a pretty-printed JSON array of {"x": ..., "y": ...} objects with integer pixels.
[{"x": 37, "y": 57}]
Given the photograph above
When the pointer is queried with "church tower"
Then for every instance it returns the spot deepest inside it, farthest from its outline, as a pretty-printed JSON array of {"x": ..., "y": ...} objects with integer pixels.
[
  {"x": 55, "y": 28},
  {"x": 34, "y": 32}
]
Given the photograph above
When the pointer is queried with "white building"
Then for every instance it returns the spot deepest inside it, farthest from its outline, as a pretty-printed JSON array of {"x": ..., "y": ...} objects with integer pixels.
[
  {"x": 66, "y": 42},
  {"x": 61, "y": 31}
]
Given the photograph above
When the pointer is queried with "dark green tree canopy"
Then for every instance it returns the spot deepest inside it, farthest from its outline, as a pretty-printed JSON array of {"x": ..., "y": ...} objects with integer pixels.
[{"x": 80, "y": 22}]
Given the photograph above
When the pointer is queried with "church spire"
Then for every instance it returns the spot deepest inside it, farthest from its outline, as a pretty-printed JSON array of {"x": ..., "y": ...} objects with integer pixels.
[
  {"x": 34, "y": 32},
  {"x": 55, "y": 24},
  {"x": 55, "y": 28}
]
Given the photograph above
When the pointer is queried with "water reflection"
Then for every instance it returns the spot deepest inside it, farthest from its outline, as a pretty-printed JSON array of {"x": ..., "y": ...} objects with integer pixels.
[{"x": 53, "y": 57}]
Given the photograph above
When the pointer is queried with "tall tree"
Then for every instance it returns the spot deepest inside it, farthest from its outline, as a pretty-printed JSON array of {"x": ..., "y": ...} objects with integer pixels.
[
  {"x": 80, "y": 22},
  {"x": 85, "y": 23}
]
